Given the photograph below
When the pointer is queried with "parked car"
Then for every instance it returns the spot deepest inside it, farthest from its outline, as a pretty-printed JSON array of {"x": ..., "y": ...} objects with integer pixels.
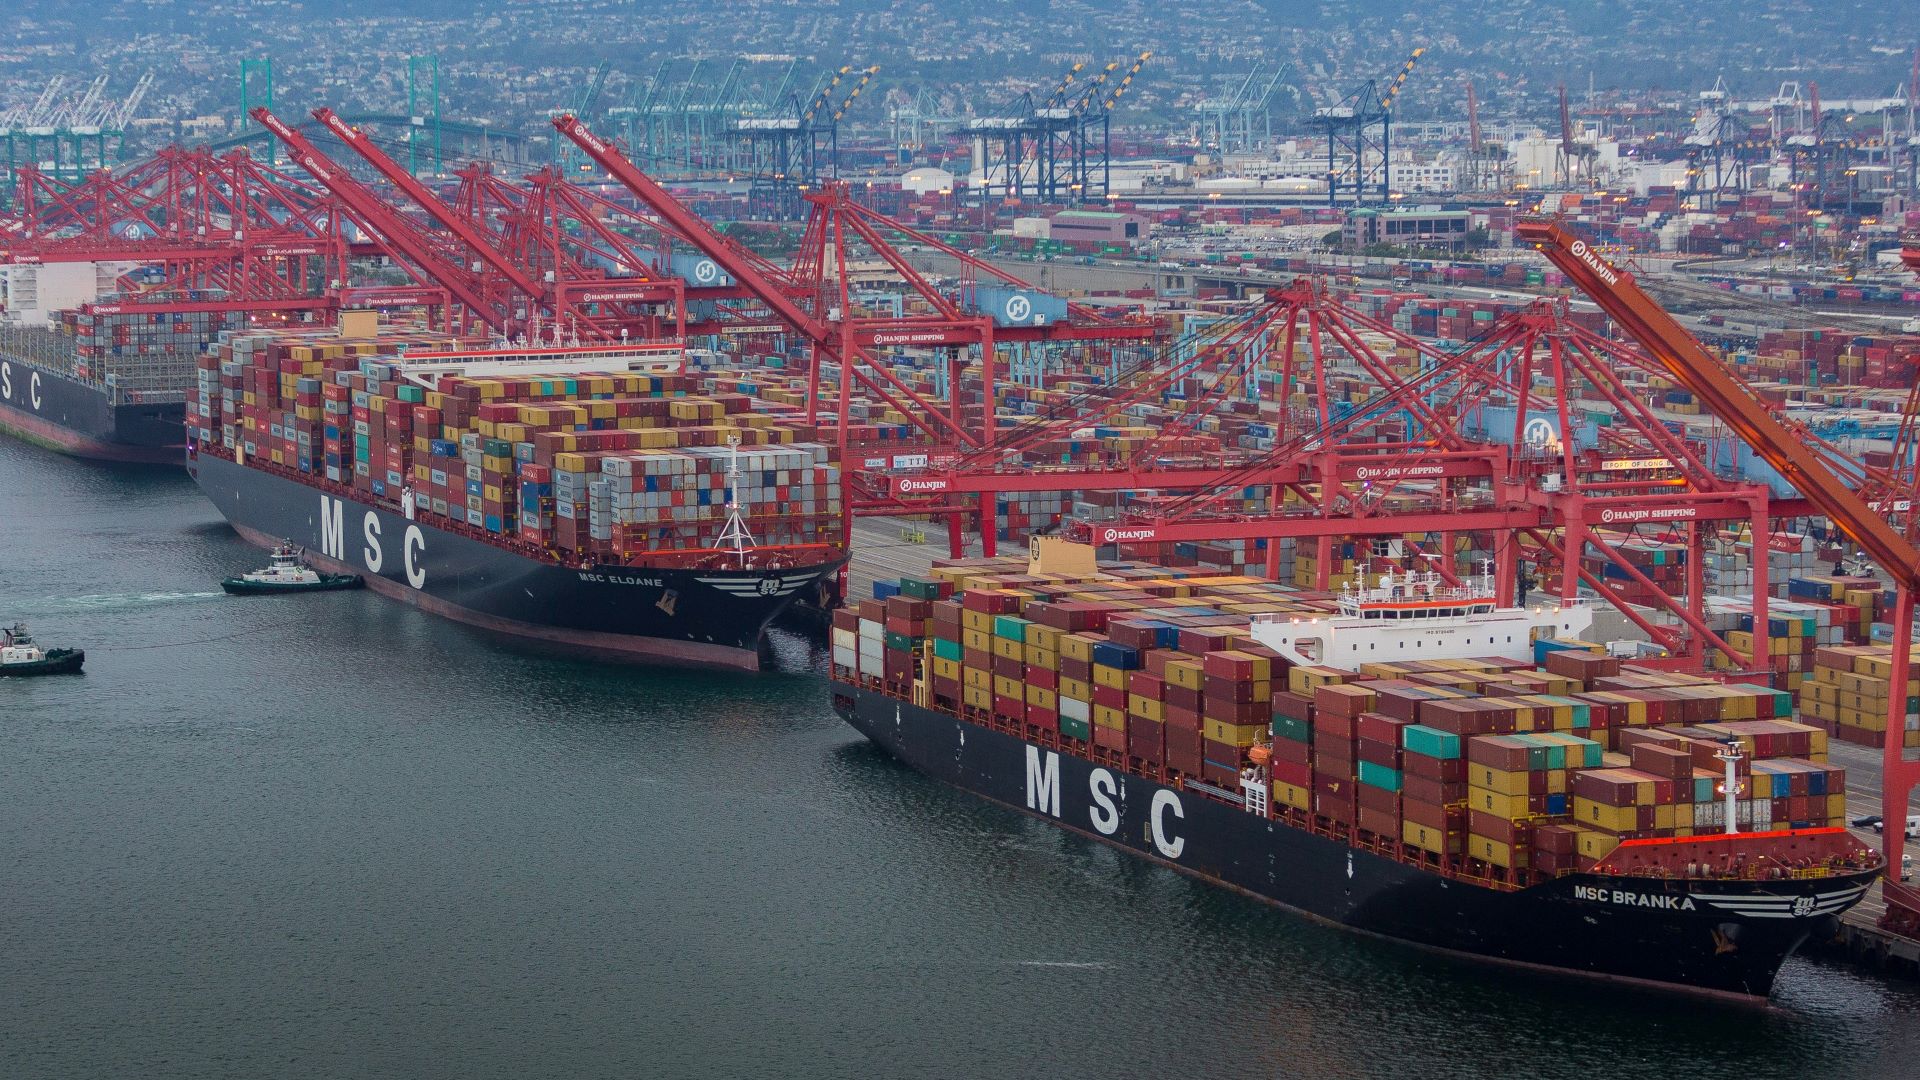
[{"x": 1912, "y": 830}]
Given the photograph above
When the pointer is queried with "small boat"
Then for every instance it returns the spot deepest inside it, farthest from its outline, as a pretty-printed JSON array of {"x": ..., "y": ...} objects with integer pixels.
[
  {"x": 19, "y": 655},
  {"x": 288, "y": 574}
]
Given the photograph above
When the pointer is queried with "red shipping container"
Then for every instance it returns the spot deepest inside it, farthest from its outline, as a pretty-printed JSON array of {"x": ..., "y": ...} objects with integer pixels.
[
  {"x": 1379, "y": 753},
  {"x": 1184, "y": 747},
  {"x": 1299, "y": 774},
  {"x": 1378, "y": 822},
  {"x": 1291, "y": 751},
  {"x": 1435, "y": 791},
  {"x": 1146, "y": 739},
  {"x": 1378, "y": 728},
  {"x": 1378, "y": 798}
]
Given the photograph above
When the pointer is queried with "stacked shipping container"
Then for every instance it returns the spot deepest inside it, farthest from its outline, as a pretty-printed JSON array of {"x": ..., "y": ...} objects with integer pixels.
[{"x": 1517, "y": 768}]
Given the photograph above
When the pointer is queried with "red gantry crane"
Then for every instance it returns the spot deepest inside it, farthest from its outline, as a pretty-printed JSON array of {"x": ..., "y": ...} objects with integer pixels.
[
  {"x": 430, "y": 261},
  {"x": 1785, "y": 448}
]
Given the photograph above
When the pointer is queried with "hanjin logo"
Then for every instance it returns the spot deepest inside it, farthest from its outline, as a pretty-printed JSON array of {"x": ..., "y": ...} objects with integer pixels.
[
  {"x": 1656, "y": 513},
  {"x": 909, "y": 486},
  {"x": 1580, "y": 251},
  {"x": 706, "y": 271},
  {"x": 1117, "y": 535},
  {"x": 1368, "y": 472},
  {"x": 1019, "y": 309}
]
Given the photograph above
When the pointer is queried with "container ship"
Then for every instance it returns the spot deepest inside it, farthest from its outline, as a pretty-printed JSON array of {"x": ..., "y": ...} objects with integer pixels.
[
  {"x": 616, "y": 514},
  {"x": 103, "y": 384},
  {"x": 1488, "y": 786}
]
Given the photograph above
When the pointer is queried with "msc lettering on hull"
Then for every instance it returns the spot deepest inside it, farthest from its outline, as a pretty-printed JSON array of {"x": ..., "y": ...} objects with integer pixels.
[
  {"x": 6, "y": 385},
  {"x": 1106, "y": 799},
  {"x": 1600, "y": 895},
  {"x": 333, "y": 542}
]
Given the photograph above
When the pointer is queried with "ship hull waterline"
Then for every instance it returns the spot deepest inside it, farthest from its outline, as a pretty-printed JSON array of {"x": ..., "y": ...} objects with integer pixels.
[
  {"x": 73, "y": 417},
  {"x": 1695, "y": 937},
  {"x": 682, "y": 617}
]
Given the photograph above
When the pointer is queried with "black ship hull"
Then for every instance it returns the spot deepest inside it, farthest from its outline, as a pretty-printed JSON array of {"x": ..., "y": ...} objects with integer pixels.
[
  {"x": 65, "y": 414},
  {"x": 695, "y": 617},
  {"x": 1720, "y": 937}
]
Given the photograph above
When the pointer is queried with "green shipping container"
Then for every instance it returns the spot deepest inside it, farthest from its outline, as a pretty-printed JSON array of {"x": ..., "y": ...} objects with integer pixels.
[
  {"x": 947, "y": 650},
  {"x": 899, "y": 641},
  {"x": 1010, "y": 628},
  {"x": 1379, "y": 776},
  {"x": 1076, "y": 729},
  {"x": 920, "y": 590},
  {"x": 1287, "y": 727},
  {"x": 1430, "y": 742}
]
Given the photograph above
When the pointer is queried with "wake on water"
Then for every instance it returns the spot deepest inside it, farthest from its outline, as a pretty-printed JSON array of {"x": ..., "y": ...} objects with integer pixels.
[{"x": 110, "y": 601}]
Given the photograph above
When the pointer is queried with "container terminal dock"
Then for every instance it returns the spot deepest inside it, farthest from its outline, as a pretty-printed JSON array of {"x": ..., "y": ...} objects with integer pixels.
[{"x": 1738, "y": 544}]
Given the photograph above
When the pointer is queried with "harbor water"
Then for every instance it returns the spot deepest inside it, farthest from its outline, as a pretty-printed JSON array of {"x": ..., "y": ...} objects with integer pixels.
[{"x": 333, "y": 836}]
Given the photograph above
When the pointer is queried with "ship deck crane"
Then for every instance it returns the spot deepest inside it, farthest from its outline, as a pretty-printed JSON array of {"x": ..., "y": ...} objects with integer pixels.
[{"x": 1619, "y": 295}]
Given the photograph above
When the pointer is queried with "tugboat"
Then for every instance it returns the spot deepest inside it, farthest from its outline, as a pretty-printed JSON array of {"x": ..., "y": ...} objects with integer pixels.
[
  {"x": 287, "y": 573},
  {"x": 20, "y": 656}
]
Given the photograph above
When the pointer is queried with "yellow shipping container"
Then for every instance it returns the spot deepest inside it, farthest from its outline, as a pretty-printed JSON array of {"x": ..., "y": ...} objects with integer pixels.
[
  {"x": 976, "y": 620},
  {"x": 977, "y": 640},
  {"x": 1487, "y": 849},
  {"x": 1078, "y": 646},
  {"x": 1042, "y": 697},
  {"x": 1042, "y": 658},
  {"x": 1008, "y": 688},
  {"x": 1144, "y": 706},
  {"x": 1107, "y": 716},
  {"x": 1112, "y": 678},
  {"x": 1511, "y": 807},
  {"x": 1596, "y": 845},
  {"x": 1615, "y": 819},
  {"x": 1241, "y": 735},
  {"x": 1185, "y": 674},
  {"x": 977, "y": 678},
  {"x": 1430, "y": 839},
  {"x": 976, "y": 697},
  {"x": 1076, "y": 689},
  {"x": 1499, "y": 781},
  {"x": 946, "y": 669},
  {"x": 1291, "y": 795},
  {"x": 1008, "y": 649}
]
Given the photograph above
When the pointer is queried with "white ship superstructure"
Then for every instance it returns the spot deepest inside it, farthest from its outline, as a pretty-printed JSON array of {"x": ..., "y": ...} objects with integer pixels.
[{"x": 1419, "y": 616}]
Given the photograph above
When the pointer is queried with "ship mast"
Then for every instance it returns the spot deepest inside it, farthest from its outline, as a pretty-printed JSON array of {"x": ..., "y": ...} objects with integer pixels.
[
  {"x": 1730, "y": 787},
  {"x": 735, "y": 536}
]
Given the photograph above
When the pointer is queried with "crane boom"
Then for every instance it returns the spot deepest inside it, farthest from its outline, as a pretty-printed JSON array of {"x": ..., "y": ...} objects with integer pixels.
[
  {"x": 831, "y": 336},
  {"x": 1622, "y": 298},
  {"x": 865, "y": 78},
  {"x": 1393, "y": 88},
  {"x": 1125, "y": 81},
  {"x": 377, "y": 216},
  {"x": 398, "y": 176},
  {"x": 1060, "y": 92}
]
